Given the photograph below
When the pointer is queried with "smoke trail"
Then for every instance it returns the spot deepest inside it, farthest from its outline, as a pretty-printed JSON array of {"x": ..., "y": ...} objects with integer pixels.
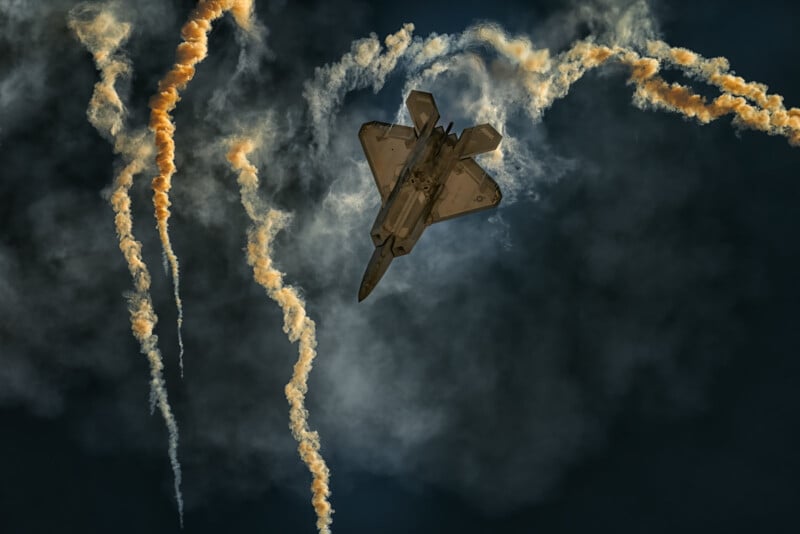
[
  {"x": 716, "y": 71},
  {"x": 768, "y": 115},
  {"x": 297, "y": 325},
  {"x": 189, "y": 53},
  {"x": 546, "y": 80},
  {"x": 362, "y": 66},
  {"x": 143, "y": 316},
  {"x": 102, "y": 34},
  {"x": 652, "y": 89},
  {"x": 545, "y": 77}
]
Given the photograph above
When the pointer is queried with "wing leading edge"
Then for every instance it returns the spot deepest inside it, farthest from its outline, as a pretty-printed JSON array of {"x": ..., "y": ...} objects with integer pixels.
[{"x": 387, "y": 147}]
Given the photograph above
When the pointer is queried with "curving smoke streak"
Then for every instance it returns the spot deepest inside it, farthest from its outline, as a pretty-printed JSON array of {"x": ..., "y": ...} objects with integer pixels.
[
  {"x": 98, "y": 28},
  {"x": 297, "y": 325},
  {"x": 545, "y": 81},
  {"x": 189, "y": 53},
  {"x": 716, "y": 71},
  {"x": 540, "y": 78},
  {"x": 363, "y": 66}
]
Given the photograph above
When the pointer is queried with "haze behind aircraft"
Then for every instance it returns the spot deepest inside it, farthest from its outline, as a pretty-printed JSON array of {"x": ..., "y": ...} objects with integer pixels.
[{"x": 425, "y": 175}]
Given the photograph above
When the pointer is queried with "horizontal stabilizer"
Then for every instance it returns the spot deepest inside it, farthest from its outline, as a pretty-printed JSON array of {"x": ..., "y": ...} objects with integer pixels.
[
  {"x": 422, "y": 108},
  {"x": 466, "y": 189},
  {"x": 477, "y": 140}
]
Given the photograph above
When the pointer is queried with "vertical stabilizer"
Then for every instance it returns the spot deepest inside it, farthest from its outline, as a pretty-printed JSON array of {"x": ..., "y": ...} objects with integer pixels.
[{"x": 422, "y": 108}]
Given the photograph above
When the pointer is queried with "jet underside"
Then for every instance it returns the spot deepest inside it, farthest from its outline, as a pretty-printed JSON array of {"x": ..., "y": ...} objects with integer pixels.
[{"x": 425, "y": 175}]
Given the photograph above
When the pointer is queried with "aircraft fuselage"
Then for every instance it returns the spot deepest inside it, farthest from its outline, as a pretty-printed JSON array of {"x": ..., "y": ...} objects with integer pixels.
[
  {"x": 424, "y": 174},
  {"x": 404, "y": 214}
]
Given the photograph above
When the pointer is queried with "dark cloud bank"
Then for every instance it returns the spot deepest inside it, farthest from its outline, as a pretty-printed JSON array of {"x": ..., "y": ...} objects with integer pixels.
[{"x": 631, "y": 319}]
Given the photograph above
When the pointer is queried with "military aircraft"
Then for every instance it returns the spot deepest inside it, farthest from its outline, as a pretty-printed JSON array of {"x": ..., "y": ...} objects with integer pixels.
[{"x": 425, "y": 175}]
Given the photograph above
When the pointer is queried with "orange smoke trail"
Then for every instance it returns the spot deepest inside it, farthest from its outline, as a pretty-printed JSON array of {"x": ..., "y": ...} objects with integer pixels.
[
  {"x": 189, "y": 53},
  {"x": 143, "y": 316},
  {"x": 297, "y": 325},
  {"x": 716, "y": 71},
  {"x": 546, "y": 79},
  {"x": 768, "y": 115},
  {"x": 102, "y": 34}
]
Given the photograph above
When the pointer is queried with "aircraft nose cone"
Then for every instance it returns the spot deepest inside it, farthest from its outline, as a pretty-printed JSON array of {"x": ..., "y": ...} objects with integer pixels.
[
  {"x": 378, "y": 263},
  {"x": 364, "y": 290}
]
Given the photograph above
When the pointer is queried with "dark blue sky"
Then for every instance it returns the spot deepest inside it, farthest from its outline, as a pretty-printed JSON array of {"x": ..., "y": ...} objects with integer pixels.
[{"x": 655, "y": 281}]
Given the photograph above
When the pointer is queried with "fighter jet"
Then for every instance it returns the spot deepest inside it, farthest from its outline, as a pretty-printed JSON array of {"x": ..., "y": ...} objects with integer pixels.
[{"x": 425, "y": 175}]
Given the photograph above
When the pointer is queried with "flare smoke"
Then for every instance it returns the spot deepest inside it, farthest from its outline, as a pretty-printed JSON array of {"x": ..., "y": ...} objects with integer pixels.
[
  {"x": 296, "y": 324},
  {"x": 100, "y": 32},
  {"x": 545, "y": 80},
  {"x": 190, "y": 52}
]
